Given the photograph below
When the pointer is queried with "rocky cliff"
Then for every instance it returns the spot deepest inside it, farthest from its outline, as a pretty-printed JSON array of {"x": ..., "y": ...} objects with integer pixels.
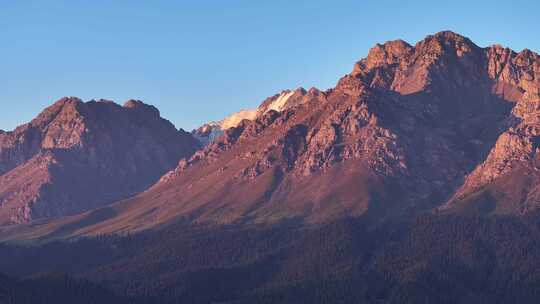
[{"x": 75, "y": 156}]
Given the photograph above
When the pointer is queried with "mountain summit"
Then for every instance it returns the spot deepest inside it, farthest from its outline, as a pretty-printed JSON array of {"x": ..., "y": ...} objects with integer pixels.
[
  {"x": 279, "y": 102},
  {"x": 76, "y": 156}
]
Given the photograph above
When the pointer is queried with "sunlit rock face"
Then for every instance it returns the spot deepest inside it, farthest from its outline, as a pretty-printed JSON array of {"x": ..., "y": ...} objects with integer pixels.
[
  {"x": 410, "y": 127},
  {"x": 80, "y": 155}
]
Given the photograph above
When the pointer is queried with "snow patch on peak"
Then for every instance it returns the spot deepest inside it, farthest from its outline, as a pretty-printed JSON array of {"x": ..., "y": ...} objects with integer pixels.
[
  {"x": 234, "y": 119},
  {"x": 207, "y": 136},
  {"x": 207, "y": 133},
  {"x": 280, "y": 103}
]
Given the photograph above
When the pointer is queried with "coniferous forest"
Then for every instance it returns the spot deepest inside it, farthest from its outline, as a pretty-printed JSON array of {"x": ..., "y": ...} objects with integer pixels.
[{"x": 432, "y": 259}]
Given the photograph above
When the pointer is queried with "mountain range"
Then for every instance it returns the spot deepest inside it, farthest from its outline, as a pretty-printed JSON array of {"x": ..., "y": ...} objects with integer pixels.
[{"x": 443, "y": 128}]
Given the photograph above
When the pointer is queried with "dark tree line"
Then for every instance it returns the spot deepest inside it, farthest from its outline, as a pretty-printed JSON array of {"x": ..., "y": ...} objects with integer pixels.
[{"x": 431, "y": 259}]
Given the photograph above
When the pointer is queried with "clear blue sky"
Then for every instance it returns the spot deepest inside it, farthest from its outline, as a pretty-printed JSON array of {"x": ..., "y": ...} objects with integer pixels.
[{"x": 200, "y": 60}]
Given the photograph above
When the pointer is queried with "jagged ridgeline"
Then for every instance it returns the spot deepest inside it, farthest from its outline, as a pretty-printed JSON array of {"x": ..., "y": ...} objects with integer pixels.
[
  {"x": 414, "y": 180},
  {"x": 444, "y": 125}
]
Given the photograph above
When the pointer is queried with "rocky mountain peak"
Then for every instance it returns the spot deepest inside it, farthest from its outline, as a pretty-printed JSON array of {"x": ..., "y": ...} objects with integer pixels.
[
  {"x": 444, "y": 61},
  {"x": 78, "y": 155},
  {"x": 67, "y": 105},
  {"x": 446, "y": 40},
  {"x": 282, "y": 101},
  {"x": 66, "y": 101},
  {"x": 279, "y": 102},
  {"x": 141, "y": 106},
  {"x": 389, "y": 53}
]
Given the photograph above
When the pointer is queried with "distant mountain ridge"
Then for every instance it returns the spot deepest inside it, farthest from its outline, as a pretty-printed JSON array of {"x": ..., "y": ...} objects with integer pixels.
[
  {"x": 279, "y": 102},
  {"x": 209, "y": 131}
]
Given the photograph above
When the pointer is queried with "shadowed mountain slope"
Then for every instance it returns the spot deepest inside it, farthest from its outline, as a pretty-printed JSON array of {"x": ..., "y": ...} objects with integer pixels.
[{"x": 77, "y": 156}]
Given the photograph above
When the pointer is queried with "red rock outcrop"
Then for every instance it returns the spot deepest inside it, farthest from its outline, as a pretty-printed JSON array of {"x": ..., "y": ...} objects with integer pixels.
[{"x": 77, "y": 156}]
